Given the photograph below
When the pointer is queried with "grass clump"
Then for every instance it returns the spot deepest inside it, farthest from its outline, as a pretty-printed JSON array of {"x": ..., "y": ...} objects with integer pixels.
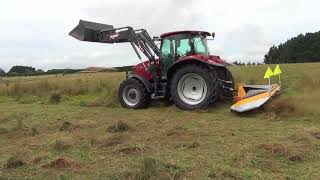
[
  {"x": 20, "y": 125},
  {"x": 55, "y": 98},
  {"x": 176, "y": 131},
  {"x": 291, "y": 152},
  {"x": 154, "y": 169},
  {"x": 131, "y": 149},
  {"x": 61, "y": 144},
  {"x": 66, "y": 126},
  {"x": 3, "y": 130},
  {"x": 14, "y": 162},
  {"x": 118, "y": 126},
  {"x": 33, "y": 131},
  {"x": 224, "y": 173},
  {"x": 27, "y": 99}
]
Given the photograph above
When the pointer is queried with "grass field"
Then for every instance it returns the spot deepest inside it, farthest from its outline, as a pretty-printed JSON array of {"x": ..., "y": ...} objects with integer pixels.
[{"x": 72, "y": 127}]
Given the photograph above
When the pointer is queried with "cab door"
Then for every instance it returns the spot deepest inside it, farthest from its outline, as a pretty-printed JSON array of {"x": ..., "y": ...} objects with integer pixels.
[{"x": 167, "y": 56}]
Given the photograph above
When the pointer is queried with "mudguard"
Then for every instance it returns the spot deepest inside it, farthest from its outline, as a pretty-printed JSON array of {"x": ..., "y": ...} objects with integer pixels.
[
  {"x": 208, "y": 60},
  {"x": 145, "y": 82}
]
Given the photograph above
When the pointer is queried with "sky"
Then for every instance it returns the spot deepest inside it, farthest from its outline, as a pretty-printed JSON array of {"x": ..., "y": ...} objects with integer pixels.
[{"x": 35, "y": 32}]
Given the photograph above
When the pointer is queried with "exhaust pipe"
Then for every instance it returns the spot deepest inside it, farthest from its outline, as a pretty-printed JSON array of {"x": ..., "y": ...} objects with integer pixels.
[{"x": 89, "y": 31}]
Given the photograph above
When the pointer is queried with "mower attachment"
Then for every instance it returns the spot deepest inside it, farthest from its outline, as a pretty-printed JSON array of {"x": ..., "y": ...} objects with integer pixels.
[{"x": 254, "y": 96}]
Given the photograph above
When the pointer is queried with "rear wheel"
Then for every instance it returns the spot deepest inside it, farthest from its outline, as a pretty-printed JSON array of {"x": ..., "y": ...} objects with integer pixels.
[
  {"x": 133, "y": 95},
  {"x": 193, "y": 87}
]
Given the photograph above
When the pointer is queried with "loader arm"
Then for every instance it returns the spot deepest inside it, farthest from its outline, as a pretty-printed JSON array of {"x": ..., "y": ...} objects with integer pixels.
[{"x": 103, "y": 33}]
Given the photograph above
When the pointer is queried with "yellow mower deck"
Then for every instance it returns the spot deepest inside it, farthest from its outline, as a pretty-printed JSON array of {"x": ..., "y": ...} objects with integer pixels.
[{"x": 253, "y": 96}]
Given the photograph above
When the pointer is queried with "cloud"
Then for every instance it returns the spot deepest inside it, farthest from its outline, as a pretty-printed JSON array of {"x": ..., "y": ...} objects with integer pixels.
[{"x": 35, "y": 32}]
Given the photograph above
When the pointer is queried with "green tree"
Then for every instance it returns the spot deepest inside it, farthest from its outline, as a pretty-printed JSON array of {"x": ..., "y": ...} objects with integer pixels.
[
  {"x": 22, "y": 70},
  {"x": 300, "y": 49},
  {"x": 273, "y": 56}
]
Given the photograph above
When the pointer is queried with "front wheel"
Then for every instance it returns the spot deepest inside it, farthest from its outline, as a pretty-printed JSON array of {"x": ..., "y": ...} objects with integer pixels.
[
  {"x": 193, "y": 87},
  {"x": 133, "y": 95}
]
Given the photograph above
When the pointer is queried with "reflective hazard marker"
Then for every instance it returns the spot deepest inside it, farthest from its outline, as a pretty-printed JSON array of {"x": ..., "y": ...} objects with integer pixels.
[
  {"x": 277, "y": 71},
  {"x": 268, "y": 74}
]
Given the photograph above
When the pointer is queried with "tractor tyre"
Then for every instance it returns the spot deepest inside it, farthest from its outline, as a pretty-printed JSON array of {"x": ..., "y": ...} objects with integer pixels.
[
  {"x": 132, "y": 94},
  {"x": 193, "y": 87}
]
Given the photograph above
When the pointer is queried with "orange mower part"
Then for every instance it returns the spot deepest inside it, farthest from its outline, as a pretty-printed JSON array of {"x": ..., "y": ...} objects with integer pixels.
[{"x": 251, "y": 97}]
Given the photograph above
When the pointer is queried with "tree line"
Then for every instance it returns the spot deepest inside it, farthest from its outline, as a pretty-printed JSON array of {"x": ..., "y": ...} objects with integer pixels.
[
  {"x": 31, "y": 71},
  {"x": 300, "y": 49}
]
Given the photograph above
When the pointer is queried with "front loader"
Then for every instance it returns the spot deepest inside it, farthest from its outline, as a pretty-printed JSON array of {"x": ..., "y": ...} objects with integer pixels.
[{"x": 181, "y": 69}]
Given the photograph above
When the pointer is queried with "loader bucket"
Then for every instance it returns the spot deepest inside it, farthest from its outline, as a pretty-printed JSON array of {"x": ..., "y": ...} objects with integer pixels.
[{"x": 89, "y": 31}]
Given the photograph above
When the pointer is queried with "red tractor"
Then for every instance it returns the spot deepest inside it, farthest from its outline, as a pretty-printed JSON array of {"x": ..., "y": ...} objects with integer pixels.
[{"x": 181, "y": 69}]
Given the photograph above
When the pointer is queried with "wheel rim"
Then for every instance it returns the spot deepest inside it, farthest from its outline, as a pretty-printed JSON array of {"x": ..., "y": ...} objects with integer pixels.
[
  {"x": 131, "y": 95},
  {"x": 192, "y": 89}
]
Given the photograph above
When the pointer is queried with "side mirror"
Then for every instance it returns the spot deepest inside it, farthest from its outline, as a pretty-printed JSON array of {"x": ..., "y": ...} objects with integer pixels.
[
  {"x": 156, "y": 38},
  {"x": 213, "y": 35}
]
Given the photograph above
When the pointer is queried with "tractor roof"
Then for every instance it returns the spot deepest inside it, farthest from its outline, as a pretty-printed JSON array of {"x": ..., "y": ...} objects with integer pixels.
[{"x": 184, "y": 32}]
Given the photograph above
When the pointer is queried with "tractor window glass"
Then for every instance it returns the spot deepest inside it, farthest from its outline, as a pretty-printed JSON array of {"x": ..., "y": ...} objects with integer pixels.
[
  {"x": 184, "y": 47},
  {"x": 165, "y": 49},
  {"x": 167, "y": 56},
  {"x": 200, "y": 45}
]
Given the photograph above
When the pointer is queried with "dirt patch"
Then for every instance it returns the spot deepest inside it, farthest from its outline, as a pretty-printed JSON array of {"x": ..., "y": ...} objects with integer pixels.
[
  {"x": 118, "y": 126},
  {"x": 62, "y": 164},
  {"x": 14, "y": 162}
]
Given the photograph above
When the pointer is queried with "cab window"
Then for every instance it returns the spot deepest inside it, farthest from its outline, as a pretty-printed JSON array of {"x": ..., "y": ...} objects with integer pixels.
[
  {"x": 199, "y": 45},
  {"x": 184, "y": 47}
]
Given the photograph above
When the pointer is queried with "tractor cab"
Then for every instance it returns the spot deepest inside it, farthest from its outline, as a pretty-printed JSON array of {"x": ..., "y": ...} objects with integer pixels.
[{"x": 177, "y": 45}]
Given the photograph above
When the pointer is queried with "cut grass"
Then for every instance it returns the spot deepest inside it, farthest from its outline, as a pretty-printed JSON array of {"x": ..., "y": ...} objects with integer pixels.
[{"x": 162, "y": 142}]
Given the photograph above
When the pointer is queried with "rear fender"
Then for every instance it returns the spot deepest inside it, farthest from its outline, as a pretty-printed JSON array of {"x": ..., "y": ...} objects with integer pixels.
[{"x": 184, "y": 62}]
